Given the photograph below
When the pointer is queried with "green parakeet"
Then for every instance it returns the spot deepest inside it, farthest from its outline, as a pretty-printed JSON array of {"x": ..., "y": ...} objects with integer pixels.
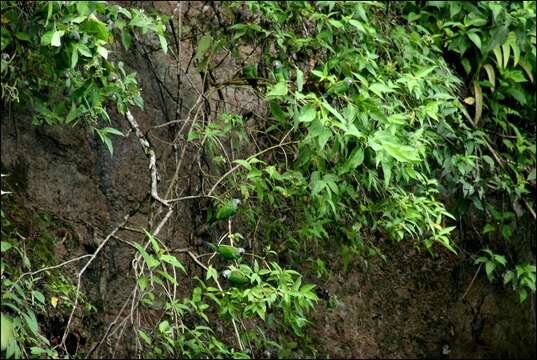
[
  {"x": 278, "y": 71},
  {"x": 236, "y": 277},
  {"x": 228, "y": 252},
  {"x": 228, "y": 209}
]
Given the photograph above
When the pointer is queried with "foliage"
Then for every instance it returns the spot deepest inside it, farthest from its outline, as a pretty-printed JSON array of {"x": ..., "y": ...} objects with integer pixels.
[
  {"x": 57, "y": 57},
  {"x": 269, "y": 293},
  {"x": 28, "y": 299},
  {"x": 491, "y": 163},
  {"x": 367, "y": 136}
]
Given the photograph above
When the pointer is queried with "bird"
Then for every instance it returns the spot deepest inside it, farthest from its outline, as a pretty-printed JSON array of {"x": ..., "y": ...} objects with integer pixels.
[
  {"x": 235, "y": 277},
  {"x": 228, "y": 209},
  {"x": 278, "y": 71},
  {"x": 228, "y": 252}
]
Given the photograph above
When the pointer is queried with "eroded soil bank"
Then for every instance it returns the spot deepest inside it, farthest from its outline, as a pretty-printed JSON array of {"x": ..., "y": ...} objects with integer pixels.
[{"x": 410, "y": 306}]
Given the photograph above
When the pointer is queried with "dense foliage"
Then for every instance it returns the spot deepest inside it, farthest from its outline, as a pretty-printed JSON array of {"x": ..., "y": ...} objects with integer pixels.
[{"x": 384, "y": 121}]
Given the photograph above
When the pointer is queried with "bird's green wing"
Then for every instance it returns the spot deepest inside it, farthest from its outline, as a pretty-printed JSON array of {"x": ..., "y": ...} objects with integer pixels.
[
  {"x": 238, "y": 278},
  {"x": 229, "y": 252},
  {"x": 228, "y": 210}
]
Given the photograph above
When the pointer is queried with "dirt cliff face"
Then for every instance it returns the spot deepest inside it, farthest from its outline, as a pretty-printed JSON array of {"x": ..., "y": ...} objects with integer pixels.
[{"x": 410, "y": 306}]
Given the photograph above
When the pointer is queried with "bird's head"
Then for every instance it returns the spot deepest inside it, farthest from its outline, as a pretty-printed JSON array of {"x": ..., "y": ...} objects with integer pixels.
[
  {"x": 241, "y": 251},
  {"x": 237, "y": 202},
  {"x": 276, "y": 64},
  {"x": 226, "y": 273}
]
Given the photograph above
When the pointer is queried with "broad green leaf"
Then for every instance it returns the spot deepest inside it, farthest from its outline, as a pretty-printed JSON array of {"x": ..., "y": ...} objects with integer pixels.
[
  {"x": 307, "y": 113},
  {"x": 113, "y": 131},
  {"x": 6, "y": 332},
  {"x": 31, "y": 321},
  {"x": 489, "y": 268},
  {"x": 423, "y": 73},
  {"x": 149, "y": 259},
  {"x": 475, "y": 39},
  {"x": 279, "y": 89},
  {"x": 397, "y": 119},
  {"x": 379, "y": 89},
  {"x": 23, "y": 36},
  {"x": 355, "y": 159},
  {"x": 102, "y": 51},
  {"x": 46, "y": 38},
  {"x": 95, "y": 27},
  {"x": 402, "y": 153},
  {"x": 358, "y": 25},
  {"x": 55, "y": 40},
  {"x": 172, "y": 260},
  {"x": 84, "y": 50},
  {"x": 5, "y": 246},
  {"x": 333, "y": 111}
]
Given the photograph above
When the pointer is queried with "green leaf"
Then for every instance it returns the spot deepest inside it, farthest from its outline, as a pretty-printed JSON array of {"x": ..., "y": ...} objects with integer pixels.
[
  {"x": 113, "y": 131},
  {"x": 74, "y": 56},
  {"x": 333, "y": 111},
  {"x": 299, "y": 79},
  {"x": 5, "y": 246},
  {"x": 279, "y": 89},
  {"x": 307, "y": 113},
  {"x": 39, "y": 296},
  {"x": 144, "y": 336},
  {"x": 475, "y": 39},
  {"x": 46, "y": 38},
  {"x": 6, "y": 332},
  {"x": 142, "y": 282},
  {"x": 355, "y": 159},
  {"x": 488, "y": 228},
  {"x": 489, "y": 268},
  {"x": 491, "y": 75},
  {"x": 84, "y": 50},
  {"x": 95, "y": 27},
  {"x": 508, "y": 277},
  {"x": 23, "y": 36},
  {"x": 172, "y": 260},
  {"x": 149, "y": 259},
  {"x": 212, "y": 273},
  {"x": 102, "y": 51},
  {"x": 163, "y": 43},
  {"x": 506, "y": 50},
  {"x": 397, "y": 119},
  {"x": 55, "y": 40},
  {"x": 498, "y": 54},
  {"x": 31, "y": 321},
  {"x": 523, "y": 295},
  {"x": 478, "y": 102}
]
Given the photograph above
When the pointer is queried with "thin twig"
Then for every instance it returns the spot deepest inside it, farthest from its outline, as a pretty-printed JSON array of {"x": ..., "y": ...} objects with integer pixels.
[
  {"x": 32, "y": 273},
  {"x": 249, "y": 158},
  {"x": 471, "y": 282},
  {"x": 79, "y": 278}
]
